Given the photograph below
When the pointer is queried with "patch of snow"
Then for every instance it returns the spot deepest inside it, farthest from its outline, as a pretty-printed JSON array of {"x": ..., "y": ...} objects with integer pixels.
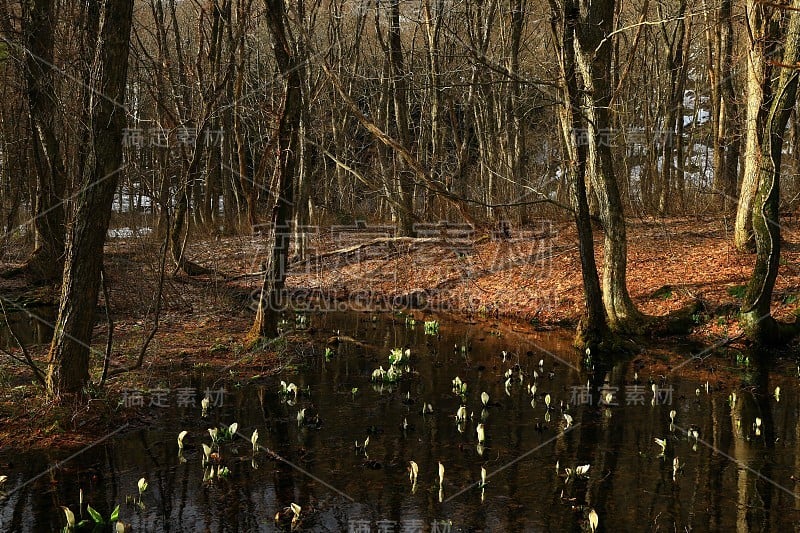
[{"x": 126, "y": 233}]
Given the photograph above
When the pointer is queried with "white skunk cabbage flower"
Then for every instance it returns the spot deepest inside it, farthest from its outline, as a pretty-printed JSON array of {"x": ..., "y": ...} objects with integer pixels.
[
  {"x": 70, "y": 517},
  {"x": 594, "y": 520},
  {"x": 481, "y": 433},
  {"x": 413, "y": 472},
  {"x": 181, "y": 435},
  {"x": 254, "y": 439},
  {"x": 662, "y": 443}
]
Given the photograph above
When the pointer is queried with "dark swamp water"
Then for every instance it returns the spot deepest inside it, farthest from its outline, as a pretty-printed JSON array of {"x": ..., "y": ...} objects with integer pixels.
[{"x": 738, "y": 462}]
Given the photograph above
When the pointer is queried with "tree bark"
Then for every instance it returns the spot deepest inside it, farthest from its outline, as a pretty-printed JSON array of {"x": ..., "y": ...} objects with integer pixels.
[
  {"x": 273, "y": 292},
  {"x": 593, "y": 328},
  {"x": 762, "y": 33},
  {"x": 47, "y": 260},
  {"x": 756, "y": 317},
  {"x": 593, "y": 58},
  {"x": 72, "y": 335},
  {"x": 405, "y": 185}
]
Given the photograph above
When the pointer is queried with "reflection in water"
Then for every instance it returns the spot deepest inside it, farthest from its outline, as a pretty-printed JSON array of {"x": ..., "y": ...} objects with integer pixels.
[
  {"x": 729, "y": 477},
  {"x": 31, "y": 326}
]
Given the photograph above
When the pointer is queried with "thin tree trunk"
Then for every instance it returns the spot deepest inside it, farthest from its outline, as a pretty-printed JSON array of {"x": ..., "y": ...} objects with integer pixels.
[
  {"x": 593, "y": 326},
  {"x": 273, "y": 297}
]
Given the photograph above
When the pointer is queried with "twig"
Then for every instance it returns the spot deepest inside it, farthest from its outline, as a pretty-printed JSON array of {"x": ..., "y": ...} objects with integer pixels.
[
  {"x": 110, "y": 335},
  {"x": 37, "y": 372},
  {"x": 157, "y": 312}
]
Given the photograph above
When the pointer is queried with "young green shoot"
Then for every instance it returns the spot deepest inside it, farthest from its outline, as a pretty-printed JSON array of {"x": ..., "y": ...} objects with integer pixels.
[
  {"x": 431, "y": 327},
  {"x": 98, "y": 518}
]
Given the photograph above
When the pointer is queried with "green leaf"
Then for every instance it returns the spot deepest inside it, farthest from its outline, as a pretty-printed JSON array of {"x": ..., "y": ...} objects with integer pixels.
[
  {"x": 114, "y": 514},
  {"x": 97, "y": 517}
]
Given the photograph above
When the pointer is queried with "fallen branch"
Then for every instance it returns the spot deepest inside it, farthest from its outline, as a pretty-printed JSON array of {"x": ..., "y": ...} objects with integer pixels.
[{"x": 374, "y": 242}]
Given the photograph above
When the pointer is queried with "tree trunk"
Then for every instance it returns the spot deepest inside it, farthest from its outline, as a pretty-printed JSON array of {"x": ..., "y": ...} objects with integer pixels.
[
  {"x": 405, "y": 184},
  {"x": 756, "y": 317},
  {"x": 758, "y": 96},
  {"x": 593, "y": 58},
  {"x": 273, "y": 292},
  {"x": 72, "y": 336},
  {"x": 726, "y": 149},
  {"x": 593, "y": 328},
  {"x": 47, "y": 260}
]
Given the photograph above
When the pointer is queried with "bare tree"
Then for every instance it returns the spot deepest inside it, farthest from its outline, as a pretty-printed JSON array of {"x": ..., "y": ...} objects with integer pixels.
[
  {"x": 69, "y": 350},
  {"x": 273, "y": 296}
]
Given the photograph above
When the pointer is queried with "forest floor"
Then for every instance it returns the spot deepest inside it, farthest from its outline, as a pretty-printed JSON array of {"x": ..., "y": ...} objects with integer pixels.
[{"x": 530, "y": 278}]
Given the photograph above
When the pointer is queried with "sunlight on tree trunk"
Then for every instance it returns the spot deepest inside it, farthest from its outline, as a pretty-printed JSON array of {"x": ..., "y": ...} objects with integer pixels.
[
  {"x": 756, "y": 317},
  {"x": 763, "y": 36},
  {"x": 593, "y": 58}
]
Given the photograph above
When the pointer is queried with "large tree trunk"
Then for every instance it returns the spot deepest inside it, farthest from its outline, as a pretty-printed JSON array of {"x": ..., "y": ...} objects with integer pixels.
[
  {"x": 273, "y": 292},
  {"x": 47, "y": 260},
  {"x": 593, "y": 328},
  {"x": 72, "y": 336},
  {"x": 756, "y": 317},
  {"x": 593, "y": 57},
  {"x": 758, "y": 94}
]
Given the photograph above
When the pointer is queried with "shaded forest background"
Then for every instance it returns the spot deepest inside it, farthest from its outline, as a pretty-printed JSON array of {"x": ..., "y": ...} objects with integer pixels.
[{"x": 191, "y": 119}]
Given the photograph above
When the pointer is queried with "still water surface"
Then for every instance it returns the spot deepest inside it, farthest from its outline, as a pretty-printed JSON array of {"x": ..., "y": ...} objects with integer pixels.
[{"x": 739, "y": 472}]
